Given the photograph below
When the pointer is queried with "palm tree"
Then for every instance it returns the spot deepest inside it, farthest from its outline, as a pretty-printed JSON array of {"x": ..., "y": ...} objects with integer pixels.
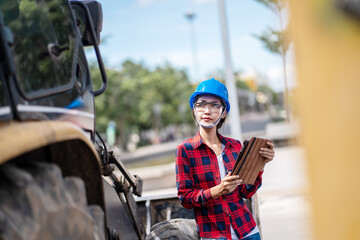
[{"x": 278, "y": 42}]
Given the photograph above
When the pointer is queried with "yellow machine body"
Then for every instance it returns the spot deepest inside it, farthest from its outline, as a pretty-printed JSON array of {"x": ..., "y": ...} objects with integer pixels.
[
  {"x": 58, "y": 142},
  {"x": 327, "y": 56}
]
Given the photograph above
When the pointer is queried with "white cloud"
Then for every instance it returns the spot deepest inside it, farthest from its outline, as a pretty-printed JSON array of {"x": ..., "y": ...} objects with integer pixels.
[
  {"x": 249, "y": 73},
  {"x": 275, "y": 72}
]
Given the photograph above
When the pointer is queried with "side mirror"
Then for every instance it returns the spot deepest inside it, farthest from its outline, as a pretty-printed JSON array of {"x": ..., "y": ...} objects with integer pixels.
[
  {"x": 351, "y": 7},
  {"x": 89, "y": 20},
  {"x": 83, "y": 21}
]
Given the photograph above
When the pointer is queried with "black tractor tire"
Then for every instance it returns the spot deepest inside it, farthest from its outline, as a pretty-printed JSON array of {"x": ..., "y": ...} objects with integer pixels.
[
  {"x": 38, "y": 203},
  {"x": 174, "y": 229}
]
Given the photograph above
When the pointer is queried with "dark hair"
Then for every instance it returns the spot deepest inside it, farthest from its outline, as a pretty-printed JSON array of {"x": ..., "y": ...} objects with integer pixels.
[{"x": 221, "y": 122}]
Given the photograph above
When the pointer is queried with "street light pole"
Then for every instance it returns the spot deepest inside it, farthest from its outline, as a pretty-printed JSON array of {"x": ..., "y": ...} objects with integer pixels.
[
  {"x": 234, "y": 116},
  {"x": 190, "y": 15}
]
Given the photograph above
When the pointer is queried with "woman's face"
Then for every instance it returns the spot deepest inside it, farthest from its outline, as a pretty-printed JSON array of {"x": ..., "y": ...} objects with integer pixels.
[{"x": 207, "y": 109}]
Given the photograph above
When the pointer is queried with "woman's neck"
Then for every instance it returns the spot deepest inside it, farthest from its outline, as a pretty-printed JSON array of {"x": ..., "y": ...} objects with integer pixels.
[{"x": 209, "y": 136}]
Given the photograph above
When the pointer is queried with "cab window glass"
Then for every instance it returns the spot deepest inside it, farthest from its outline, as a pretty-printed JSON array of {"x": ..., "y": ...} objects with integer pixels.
[
  {"x": 2, "y": 94},
  {"x": 44, "y": 43}
]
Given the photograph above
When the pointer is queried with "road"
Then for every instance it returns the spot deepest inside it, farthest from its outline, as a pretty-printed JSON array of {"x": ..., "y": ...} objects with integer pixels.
[
  {"x": 284, "y": 199},
  {"x": 252, "y": 124}
]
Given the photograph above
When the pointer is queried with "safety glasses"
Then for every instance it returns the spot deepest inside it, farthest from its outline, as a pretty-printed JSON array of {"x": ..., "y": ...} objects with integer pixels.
[{"x": 213, "y": 107}]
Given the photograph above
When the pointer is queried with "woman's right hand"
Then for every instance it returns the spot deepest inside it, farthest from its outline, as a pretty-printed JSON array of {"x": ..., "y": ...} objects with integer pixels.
[{"x": 227, "y": 185}]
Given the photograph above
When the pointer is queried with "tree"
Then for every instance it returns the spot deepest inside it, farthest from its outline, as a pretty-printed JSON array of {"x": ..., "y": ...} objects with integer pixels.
[
  {"x": 132, "y": 94},
  {"x": 278, "y": 42}
]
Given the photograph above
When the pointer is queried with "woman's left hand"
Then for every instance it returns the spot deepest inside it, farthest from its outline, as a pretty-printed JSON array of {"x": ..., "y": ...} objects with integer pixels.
[{"x": 268, "y": 153}]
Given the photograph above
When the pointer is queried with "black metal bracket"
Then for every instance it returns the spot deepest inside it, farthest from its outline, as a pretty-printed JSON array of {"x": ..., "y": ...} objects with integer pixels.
[{"x": 135, "y": 181}]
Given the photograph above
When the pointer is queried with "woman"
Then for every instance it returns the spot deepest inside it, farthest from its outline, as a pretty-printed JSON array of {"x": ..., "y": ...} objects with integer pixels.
[{"x": 203, "y": 165}]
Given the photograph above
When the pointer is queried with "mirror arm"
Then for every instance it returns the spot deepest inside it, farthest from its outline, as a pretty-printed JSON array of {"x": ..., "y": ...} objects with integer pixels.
[{"x": 96, "y": 47}]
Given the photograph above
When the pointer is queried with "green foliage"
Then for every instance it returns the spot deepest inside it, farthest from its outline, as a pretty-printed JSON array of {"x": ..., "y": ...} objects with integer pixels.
[
  {"x": 240, "y": 83},
  {"x": 275, "y": 41},
  {"x": 269, "y": 91},
  {"x": 134, "y": 91},
  {"x": 275, "y": 5}
]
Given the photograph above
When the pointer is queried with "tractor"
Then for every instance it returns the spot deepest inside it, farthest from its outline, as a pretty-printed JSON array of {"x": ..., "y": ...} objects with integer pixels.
[{"x": 58, "y": 177}]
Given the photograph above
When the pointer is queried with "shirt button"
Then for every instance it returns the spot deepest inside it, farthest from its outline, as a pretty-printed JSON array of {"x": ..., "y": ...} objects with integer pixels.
[{"x": 229, "y": 214}]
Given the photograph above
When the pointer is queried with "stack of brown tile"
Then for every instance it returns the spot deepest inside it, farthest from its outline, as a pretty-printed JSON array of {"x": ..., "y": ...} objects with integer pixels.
[{"x": 249, "y": 161}]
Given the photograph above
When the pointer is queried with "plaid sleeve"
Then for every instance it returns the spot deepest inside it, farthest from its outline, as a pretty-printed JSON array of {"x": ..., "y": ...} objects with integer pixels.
[
  {"x": 188, "y": 195},
  {"x": 248, "y": 190}
]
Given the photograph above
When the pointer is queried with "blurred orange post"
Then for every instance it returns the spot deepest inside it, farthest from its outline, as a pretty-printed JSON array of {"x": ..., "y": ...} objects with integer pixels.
[{"x": 327, "y": 50}]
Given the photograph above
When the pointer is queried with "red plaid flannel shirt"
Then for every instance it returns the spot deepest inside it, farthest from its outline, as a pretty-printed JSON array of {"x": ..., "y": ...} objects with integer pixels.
[{"x": 197, "y": 171}]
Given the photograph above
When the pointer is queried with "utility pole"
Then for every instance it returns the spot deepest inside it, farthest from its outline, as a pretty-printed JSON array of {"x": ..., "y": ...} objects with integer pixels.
[{"x": 234, "y": 115}]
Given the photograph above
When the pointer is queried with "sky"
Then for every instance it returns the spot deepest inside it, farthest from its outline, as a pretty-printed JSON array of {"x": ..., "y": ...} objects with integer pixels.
[{"x": 156, "y": 32}]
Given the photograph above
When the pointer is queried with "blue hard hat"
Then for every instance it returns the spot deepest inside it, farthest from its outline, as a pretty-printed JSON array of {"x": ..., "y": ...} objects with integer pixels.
[{"x": 211, "y": 87}]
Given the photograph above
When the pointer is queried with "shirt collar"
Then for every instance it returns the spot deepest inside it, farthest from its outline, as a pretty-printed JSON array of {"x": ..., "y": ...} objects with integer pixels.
[{"x": 197, "y": 141}]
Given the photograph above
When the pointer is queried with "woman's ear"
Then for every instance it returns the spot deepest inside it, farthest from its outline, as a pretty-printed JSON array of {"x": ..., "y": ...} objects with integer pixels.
[{"x": 224, "y": 114}]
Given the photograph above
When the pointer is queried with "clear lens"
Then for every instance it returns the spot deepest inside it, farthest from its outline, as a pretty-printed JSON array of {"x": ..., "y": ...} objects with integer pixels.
[{"x": 213, "y": 107}]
